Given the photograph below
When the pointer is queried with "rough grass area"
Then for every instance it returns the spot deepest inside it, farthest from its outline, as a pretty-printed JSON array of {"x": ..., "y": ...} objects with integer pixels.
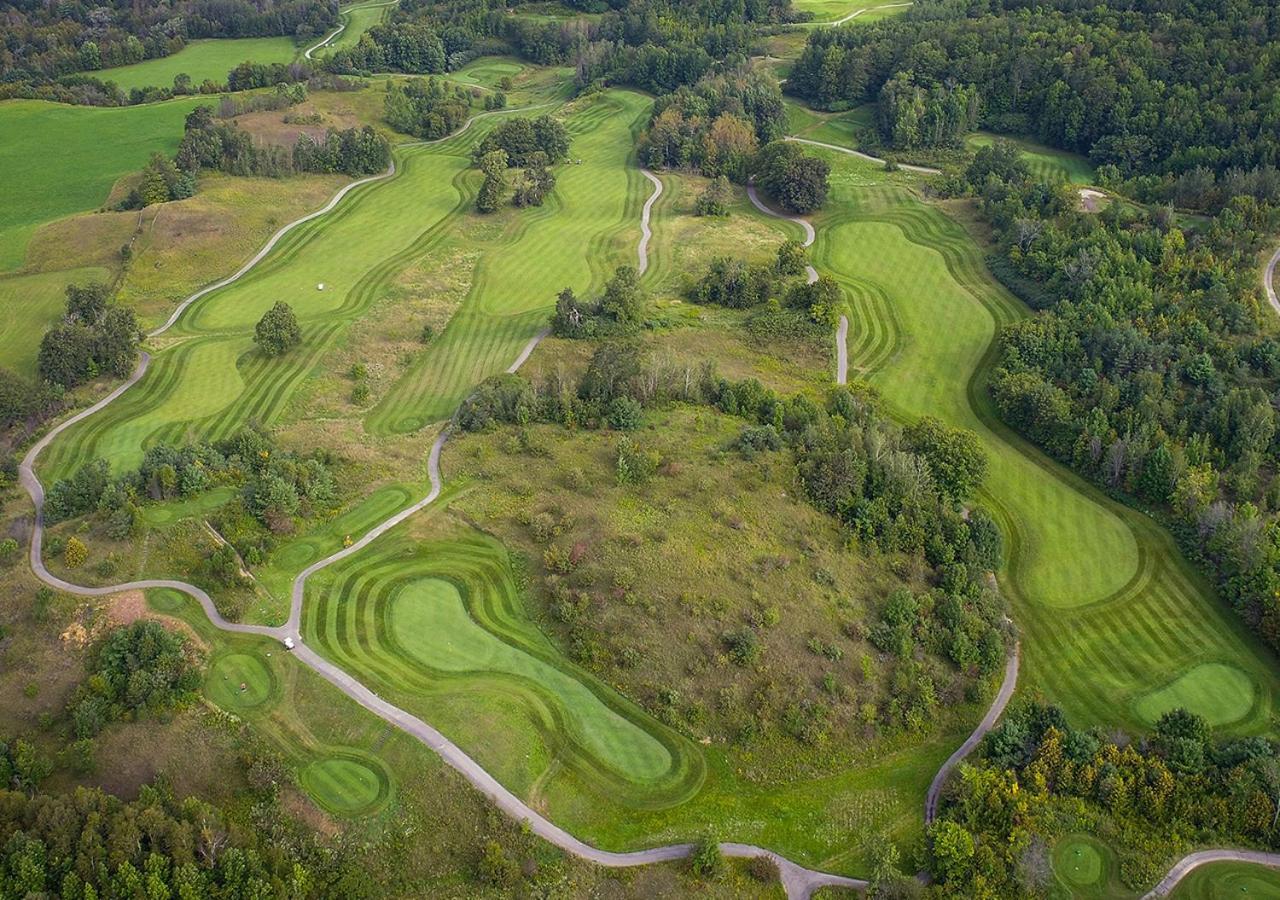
[
  {"x": 59, "y": 159},
  {"x": 204, "y": 59},
  {"x": 1229, "y": 881},
  {"x": 1109, "y": 609}
]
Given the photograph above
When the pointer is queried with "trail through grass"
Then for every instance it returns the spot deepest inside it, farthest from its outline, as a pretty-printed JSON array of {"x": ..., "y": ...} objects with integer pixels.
[
  {"x": 1109, "y": 609},
  {"x": 208, "y": 59}
]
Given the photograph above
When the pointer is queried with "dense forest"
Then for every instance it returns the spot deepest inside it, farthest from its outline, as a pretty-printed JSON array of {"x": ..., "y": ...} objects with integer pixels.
[
  {"x": 1039, "y": 779},
  {"x": 1146, "y": 86}
]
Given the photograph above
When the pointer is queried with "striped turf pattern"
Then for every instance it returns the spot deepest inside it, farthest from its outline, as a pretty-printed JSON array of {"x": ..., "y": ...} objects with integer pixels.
[
  {"x": 574, "y": 240},
  {"x": 1108, "y": 607},
  {"x": 592, "y": 732},
  {"x": 207, "y": 379}
]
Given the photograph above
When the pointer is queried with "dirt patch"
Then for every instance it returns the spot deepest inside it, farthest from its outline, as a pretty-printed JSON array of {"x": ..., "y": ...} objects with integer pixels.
[
  {"x": 270, "y": 127},
  {"x": 128, "y": 607},
  {"x": 1091, "y": 200},
  {"x": 298, "y": 806}
]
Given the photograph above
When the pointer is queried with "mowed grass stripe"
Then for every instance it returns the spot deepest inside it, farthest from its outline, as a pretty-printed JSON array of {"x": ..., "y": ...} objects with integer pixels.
[
  {"x": 515, "y": 283},
  {"x": 1109, "y": 609}
]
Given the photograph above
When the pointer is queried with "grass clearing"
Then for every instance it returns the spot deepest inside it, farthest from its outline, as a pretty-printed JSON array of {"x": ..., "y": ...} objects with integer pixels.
[
  {"x": 359, "y": 18},
  {"x": 923, "y": 316},
  {"x": 210, "y": 59},
  {"x": 826, "y": 12},
  {"x": 1046, "y": 163},
  {"x": 347, "y": 783},
  {"x": 32, "y": 303},
  {"x": 60, "y": 159},
  {"x": 239, "y": 681}
]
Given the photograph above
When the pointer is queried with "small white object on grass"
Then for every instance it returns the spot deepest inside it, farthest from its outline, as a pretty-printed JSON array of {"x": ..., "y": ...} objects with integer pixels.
[{"x": 320, "y": 286}]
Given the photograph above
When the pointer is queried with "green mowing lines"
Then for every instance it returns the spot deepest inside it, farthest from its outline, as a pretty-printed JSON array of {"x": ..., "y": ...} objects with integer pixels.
[
  {"x": 1110, "y": 611},
  {"x": 32, "y": 303},
  {"x": 204, "y": 59},
  {"x": 1229, "y": 881},
  {"x": 575, "y": 240},
  {"x": 442, "y": 628},
  {"x": 1046, "y": 163},
  {"x": 347, "y": 782},
  {"x": 240, "y": 680},
  {"x": 359, "y": 18},
  {"x": 1218, "y": 691},
  {"x": 58, "y": 160},
  {"x": 212, "y": 379},
  {"x": 487, "y": 71}
]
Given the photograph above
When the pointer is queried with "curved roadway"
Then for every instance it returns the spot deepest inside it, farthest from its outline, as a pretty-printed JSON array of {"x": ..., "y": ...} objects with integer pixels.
[{"x": 1269, "y": 281}]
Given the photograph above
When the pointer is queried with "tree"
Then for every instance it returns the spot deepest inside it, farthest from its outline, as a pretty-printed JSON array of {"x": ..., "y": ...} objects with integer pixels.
[
  {"x": 797, "y": 181},
  {"x": 75, "y": 553},
  {"x": 955, "y": 456},
  {"x": 714, "y": 199},
  {"x": 622, "y": 299},
  {"x": 792, "y": 259},
  {"x": 494, "y": 166},
  {"x": 277, "y": 331}
]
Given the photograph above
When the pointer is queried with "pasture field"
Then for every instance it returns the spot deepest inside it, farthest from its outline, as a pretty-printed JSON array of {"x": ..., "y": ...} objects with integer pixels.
[
  {"x": 205, "y": 59},
  {"x": 61, "y": 159},
  {"x": 1229, "y": 881},
  {"x": 1046, "y": 163},
  {"x": 31, "y": 303},
  {"x": 1108, "y": 608}
]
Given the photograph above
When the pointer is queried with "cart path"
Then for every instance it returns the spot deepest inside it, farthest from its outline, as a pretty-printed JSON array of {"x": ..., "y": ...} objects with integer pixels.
[
  {"x": 1183, "y": 867},
  {"x": 342, "y": 26},
  {"x": 798, "y": 881},
  {"x": 646, "y": 234},
  {"x": 908, "y": 167},
  {"x": 855, "y": 14},
  {"x": 1269, "y": 280}
]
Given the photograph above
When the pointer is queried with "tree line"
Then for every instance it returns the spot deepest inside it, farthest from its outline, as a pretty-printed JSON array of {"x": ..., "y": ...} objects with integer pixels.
[
  {"x": 1151, "y": 366},
  {"x": 1039, "y": 779},
  {"x": 1148, "y": 88},
  {"x": 48, "y": 47}
]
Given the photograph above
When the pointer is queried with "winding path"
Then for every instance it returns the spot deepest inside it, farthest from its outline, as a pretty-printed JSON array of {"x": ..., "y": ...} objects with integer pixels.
[
  {"x": 1183, "y": 867},
  {"x": 646, "y": 234},
  {"x": 855, "y": 14},
  {"x": 1269, "y": 280},
  {"x": 325, "y": 41}
]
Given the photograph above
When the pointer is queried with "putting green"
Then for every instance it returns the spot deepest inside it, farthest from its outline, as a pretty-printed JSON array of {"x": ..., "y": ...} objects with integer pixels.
[
  {"x": 1080, "y": 861},
  {"x": 441, "y": 627},
  {"x": 1107, "y": 605},
  {"x": 239, "y": 681},
  {"x": 1220, "y": 692},
  {"x": 1229, "y": 881},
  {"x": 347, "y": 783}
]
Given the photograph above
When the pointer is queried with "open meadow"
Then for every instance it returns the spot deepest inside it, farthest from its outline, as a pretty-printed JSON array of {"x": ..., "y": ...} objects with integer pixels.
[{"x": 202, "y": 60}]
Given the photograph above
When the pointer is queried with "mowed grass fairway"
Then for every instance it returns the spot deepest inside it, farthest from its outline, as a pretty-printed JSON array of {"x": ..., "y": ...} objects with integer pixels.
[
  {"x": 575, "y": 239},
  {"x": 1229, "y": 881},
  {"x": 1108, "y": 608},
  {"x": 60, "y": 159},
  {"x": 207, "y": 378},
  {"x": 211, "y": 59},
  {"x": 359, "y": 18}
]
